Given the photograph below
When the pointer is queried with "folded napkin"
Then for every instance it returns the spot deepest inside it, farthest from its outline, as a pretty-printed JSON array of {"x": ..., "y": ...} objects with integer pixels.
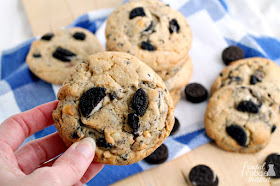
[{"x": 213, "y": 30}]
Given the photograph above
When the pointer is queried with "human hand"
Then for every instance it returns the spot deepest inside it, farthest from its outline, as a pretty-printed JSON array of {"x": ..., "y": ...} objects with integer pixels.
[{"x": 26, "y": 165}]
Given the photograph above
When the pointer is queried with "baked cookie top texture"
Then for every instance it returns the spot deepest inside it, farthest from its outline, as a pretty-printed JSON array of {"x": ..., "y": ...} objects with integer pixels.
[
  {"x": 120, "y": 102},
  {"x": 242, "y": 118},
  {"x": 250, "y": 71},
  {"x": 54, "y": 55},
  {"x": 150, "y": 30}
]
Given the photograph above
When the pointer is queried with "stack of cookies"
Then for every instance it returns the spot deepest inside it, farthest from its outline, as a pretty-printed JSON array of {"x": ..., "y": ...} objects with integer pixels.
[
  {"x": 243, "y": 111},
  {"x": 156, "y": 34}
]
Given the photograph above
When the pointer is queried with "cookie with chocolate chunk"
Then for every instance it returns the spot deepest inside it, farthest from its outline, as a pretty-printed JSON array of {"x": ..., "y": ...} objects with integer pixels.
[
  {"x": 54, "y": 55},
  {"x": 242, "y": 118},
  {"x": 150, "y": 30},
  {"x": 118, "y": 101},
  {"x": 250, "y": 71}
]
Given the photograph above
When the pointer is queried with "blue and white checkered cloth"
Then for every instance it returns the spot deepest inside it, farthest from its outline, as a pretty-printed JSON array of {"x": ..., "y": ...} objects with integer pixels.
[{"x": 213, "y": 30}]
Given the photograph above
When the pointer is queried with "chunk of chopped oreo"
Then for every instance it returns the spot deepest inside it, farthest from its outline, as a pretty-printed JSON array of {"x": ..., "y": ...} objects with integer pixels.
[
  {"x": 196, "y": 93},
  {"x": 272, "y": 165},
  {"x": 37, "y": 55},
  {"x": 79, "y": 36},
  {"x": 273, "y": 128},
  {"x": 216, "y": 182},
  {"x": 63, "y": 54},
  {"x": 254, "y": 79},
  {"x": 75, "y": 135},
  {"x": 248, "y": 106},
  {"x": 140, "y": 102},
  {"x": 113, "y": 96},
  {"x": 173, "y": 26},
  {"x": 147, "y": 46},
  {"x": 235, "y": 78},
  {"x": 139, "y": 11},
  {"x": 133, "y": 122},
  {"x": 232, "y": 53},
  {"x": 148, "y": 30},
  {"x": 101, "y": 142},
  {"x": 160, "y": 155},
  {"x": 175, "y": 127},
  {"x": 202, "y": 175},
  {"x": 47, "y": 36},
  {"x": 238, "y": 134},
  {"x": 90, "y": 99},
  {"x": 124, "y": 157}
]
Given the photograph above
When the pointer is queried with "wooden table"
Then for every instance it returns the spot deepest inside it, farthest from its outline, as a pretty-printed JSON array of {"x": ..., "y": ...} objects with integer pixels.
[{"x": 46, "y": 15}]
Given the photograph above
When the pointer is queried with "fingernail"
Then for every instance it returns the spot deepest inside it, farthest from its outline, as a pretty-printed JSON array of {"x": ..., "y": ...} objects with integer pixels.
[{"x": 86, "y": 147}]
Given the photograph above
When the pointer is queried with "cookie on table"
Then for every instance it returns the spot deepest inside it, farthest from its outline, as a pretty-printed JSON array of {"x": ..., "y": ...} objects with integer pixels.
[
  {"x": 196, "y": 93},
  {"x": 54, "y": 55},
  {"x": 272, "y": 165},
  {"x": 202, "y": 175},
  {"x": 242, "y": 118},
  {"x": 176, "y": 127},
  {"x": 248, "y": 71},
  {"x": 182, "y": 77},
  {"x": 150, "y": 30},
  {"x": 159, "y": 156},
  {"x": 118, "y": 101}
]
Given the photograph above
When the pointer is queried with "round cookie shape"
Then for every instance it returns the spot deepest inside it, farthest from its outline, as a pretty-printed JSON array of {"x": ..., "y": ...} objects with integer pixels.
[
  {"x": 196, "y": 93},
  {"x": 232, "y": 53},
  {"x": 130, "y": 111},
  {"x": 249, "y": 71},
  {"x": 150, "y": 30},
  {"x": 202, "y": 175},
  {"x": 160, "y": 155},
  {"x": 242, "y": 118},
  {"x": 54, "y": 55},
  {"x": 272, "y": 165}
]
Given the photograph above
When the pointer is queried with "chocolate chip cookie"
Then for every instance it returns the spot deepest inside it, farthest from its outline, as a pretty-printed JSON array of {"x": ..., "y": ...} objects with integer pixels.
[
  {"x": 249, "y": 71},
  {"x": 150, "y": 30},
  {"x": 120, "y": 102},
  {"x": 242, "y": 118},
  {"x": 54, "y": 55}
]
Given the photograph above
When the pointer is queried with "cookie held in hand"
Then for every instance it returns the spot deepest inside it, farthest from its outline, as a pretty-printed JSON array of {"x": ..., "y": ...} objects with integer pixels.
[{"x": 118, "y": 101}]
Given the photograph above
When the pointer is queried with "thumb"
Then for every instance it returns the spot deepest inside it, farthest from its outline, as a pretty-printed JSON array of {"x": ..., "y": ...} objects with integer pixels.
[{"x": 69, "y": 168}]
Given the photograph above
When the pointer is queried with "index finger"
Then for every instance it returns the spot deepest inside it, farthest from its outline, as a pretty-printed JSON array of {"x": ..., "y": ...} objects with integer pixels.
[{"x": 15, "y": 129}]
